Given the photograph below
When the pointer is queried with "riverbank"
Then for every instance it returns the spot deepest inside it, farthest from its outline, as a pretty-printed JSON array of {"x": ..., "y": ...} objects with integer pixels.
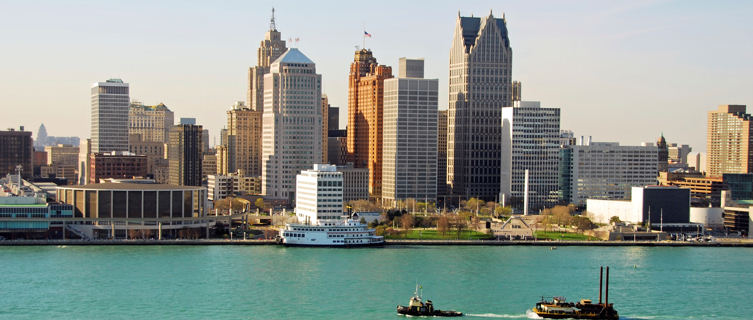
[{"x": 725, "y": 243}]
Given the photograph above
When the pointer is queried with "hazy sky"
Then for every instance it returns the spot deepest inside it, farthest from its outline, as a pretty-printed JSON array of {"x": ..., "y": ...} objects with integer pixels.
[{"x": 620, "y": 70}]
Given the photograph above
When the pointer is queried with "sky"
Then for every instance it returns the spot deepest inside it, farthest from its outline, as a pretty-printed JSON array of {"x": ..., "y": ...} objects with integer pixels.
[{"x": 624, "y": 71}]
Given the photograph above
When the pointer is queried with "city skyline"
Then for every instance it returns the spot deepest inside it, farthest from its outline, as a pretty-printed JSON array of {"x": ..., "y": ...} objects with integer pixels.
[{"x": 661, "y": 75}]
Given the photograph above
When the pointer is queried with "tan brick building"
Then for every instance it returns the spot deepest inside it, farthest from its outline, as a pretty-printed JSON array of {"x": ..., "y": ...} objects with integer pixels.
[
  {"x": 728, "y": 141},
  {"x": 244, "y": 140}
]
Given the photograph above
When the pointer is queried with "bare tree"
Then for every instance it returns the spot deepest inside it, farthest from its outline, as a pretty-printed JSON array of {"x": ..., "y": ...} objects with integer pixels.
[
  {"x": 443, "y": 224},
  {"x": 407, "y": 221}
]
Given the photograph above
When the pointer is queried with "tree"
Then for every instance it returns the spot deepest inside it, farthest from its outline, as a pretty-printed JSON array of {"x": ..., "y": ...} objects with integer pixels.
[
  {"x": 363, "y": 206},
  {"x": 407, "y": 221},
  {"x": 443, "y": 224},
  {"x": 259, "y": 203},
  {"x": 362, "y": 221},
  {"x": 237, "y": 204},
  {"x": 501, "y": 211},
  {"x": 614, "y": 220},
  {"x": 459, "y": 224},
  {"x": 582, "y": 223}
]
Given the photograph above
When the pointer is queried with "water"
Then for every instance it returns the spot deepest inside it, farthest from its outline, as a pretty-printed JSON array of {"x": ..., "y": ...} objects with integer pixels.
[{"x": 271, "y": 282}]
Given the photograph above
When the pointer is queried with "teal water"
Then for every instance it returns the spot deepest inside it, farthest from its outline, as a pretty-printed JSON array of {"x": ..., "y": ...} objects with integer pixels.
[{"x": 271, "y": 282}]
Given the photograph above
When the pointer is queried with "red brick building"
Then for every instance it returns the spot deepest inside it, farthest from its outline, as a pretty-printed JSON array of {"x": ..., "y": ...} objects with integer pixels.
[{"x": 116, "y": 165}]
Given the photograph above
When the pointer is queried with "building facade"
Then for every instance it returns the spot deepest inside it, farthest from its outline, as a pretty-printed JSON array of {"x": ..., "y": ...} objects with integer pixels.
[
  {"x": 365, "y": 116},
  {"x": 119, "y": 165},
  {"x": 244, "y": 140},
  {"x": 319, "y": 194},
  {"x": 109, "y": 116},
  {"x": 153, "y": 150},
  {"x": 152, "y": 123},
  {"x": 531, "y": 141},
  {"x": 271, "y": 48},
  {"x": 291, "y": 134},
  {"x": 16, "y": 149},
  {"x": 442, "y": 152},
  {"x": 355, "y": 182},
  {"x": 729, "y": 144},
  {"x": 409, "y": 166},
  {"x": 479, "y": 86},
  {"x": 605, "y": 170},
  {"x": 185, "y": 155}
]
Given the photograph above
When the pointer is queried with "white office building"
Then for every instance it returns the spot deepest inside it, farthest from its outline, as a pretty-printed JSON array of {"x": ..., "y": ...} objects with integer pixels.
[
  {"x": 409, "y": 165},
  {"x": 605, "y": 170},
  {"x": 109, "y": 116},
  {"x": 319, "y": 194},
  {"x": 530, "y": 141},
  {"x": 292, "y": 123}
]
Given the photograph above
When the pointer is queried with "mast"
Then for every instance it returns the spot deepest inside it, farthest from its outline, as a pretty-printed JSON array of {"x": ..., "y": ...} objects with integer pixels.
[
  {"x": 601, "y": 275},
  {"x": 606, "y": 293}
]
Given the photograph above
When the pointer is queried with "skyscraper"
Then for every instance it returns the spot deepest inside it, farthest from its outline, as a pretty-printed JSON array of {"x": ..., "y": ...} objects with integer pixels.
[
  {"x": 441, "y": 152},
  {"x": 109, "y": 116},
  {"x": 185, "y": 155},
  {"x": 16, "y": 148},
  {"x": 325, "y": 127},
  {"x": 531, "y": 141},
  {"x": 292, "y": 120},
  {"x": 271, "y": 48},
  {"x": 661, "y": 144},
  {"x": 410, "y": 135},
  {"x": 244, "y": 140},
  {"x": 479, "y": 86},
  {"x": 153, "y": 123},
  {"x": 365, "y": 112},
  {"x": 728, "y": 141}
]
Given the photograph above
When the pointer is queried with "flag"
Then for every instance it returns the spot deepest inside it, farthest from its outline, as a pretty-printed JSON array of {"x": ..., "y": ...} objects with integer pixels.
[{"x": 366, "y": 34}]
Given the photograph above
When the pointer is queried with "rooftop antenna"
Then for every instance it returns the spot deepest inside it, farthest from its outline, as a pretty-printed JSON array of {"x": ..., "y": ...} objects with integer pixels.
[{"x": 272, "y": 25}]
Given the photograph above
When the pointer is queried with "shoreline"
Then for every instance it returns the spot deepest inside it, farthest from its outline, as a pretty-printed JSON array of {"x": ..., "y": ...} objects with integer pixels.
[{"x": 388, "y": 243}]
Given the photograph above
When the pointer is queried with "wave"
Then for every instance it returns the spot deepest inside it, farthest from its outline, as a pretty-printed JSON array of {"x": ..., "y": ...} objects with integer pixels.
[{"x": 495, "y": 315}]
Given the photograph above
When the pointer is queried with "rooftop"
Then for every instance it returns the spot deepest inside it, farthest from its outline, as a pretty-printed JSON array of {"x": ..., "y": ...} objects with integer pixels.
[
  {"x": 130, "y": 186},
  {"x": 293, "y": 55}
]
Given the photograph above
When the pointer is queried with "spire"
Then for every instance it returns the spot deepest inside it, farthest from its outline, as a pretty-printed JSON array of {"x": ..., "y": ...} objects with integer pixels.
[{"x": 272, "y": 26}]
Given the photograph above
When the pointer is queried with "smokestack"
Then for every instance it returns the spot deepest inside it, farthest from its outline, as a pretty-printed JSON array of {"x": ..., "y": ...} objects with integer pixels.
[
  {"x": 525, "y": 195},
  {"x": 606, "y": 292},
  {"x": 601, "y": 275}
]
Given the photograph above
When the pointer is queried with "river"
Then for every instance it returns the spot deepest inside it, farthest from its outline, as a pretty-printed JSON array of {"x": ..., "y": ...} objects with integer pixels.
[{"x": 272, "y": 282}]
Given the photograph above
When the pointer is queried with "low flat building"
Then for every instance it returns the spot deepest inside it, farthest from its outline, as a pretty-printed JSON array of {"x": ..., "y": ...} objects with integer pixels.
[{"x": 657, "y": 204}]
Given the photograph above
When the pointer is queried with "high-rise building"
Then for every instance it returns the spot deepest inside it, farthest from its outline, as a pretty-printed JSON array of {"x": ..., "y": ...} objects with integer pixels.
[
  {"x": 337, "y": 149},
  {"x": 605, "y": 170},
  {"x": 479, "y": 86},
  {"x": 16, "y": 149},
  {"x": 244, "y": 140},
  {"x": 292, "y": 120},
  {"x": 319, "y": 194},
  {"x": 271, "y": 48},
  {"x": 325, "y": 128},
  {"x": 517, "y": 91},
  {"x": 442, "y": 152},
  {"x": 729, "y": 143},
  {"x": 365, "y": 116},
  {"x": 333, "y": 118},
  {"x": 185, "y": 155},
  {"x": 109, "y": 116},
  {"x": 679, "y": 153},
  {"x": 153, "y": 123},
  {"x": 409, "y": 167},
  {"x": 531, "y": 141},
  {"x": 84, "y": 161},
  {"x": 153, "y": 150}
]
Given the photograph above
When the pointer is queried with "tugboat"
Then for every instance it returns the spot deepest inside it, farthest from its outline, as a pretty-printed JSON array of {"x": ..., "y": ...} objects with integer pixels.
[
  {"x": 559, "y": 308},
  {"x": 418, "y": 308}
]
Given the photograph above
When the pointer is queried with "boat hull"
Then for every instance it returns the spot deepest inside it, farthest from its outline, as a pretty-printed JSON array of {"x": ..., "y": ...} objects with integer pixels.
[
  {"x": 406, "y": 311},
  {"x": 576, "y": 315}
]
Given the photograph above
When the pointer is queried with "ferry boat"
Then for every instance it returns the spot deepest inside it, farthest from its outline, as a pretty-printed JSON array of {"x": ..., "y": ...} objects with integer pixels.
[
  {"x": 418, "y": 308},
  {"x": 559, "y": 308},
  {"x": 343, "y": 233}
]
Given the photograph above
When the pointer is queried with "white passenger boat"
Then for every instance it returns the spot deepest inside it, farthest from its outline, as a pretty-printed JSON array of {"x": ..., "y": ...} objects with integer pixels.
[{"x": 342, "y": 233}]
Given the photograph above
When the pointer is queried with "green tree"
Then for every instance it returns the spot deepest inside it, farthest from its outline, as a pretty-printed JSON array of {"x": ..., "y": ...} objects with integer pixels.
[
  {"x": 259, "y": 203},
  {"x": 614, "y": 220}
]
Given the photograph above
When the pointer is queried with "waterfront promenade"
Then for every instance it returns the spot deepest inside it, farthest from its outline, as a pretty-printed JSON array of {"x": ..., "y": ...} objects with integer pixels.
[{"x": 545, "y": 243}]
